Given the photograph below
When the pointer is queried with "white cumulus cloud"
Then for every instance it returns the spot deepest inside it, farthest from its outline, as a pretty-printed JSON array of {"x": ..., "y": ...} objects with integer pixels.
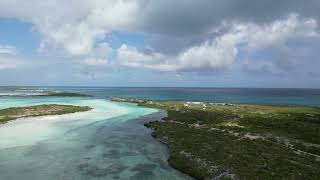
[
  {"x": 9, "y": 58},
  {"x": 222, "y": 51},
  {"x": 74, "y": 25},
  {"x": 6, "y": 49}
]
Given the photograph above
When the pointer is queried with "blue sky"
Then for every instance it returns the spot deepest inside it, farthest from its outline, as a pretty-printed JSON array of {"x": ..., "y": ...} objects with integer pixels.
[
  {"x": 153, "y": 43},
  {"x": 19, "y": 34}
]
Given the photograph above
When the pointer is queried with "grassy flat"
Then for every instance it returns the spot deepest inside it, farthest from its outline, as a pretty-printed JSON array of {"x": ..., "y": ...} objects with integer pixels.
[
  {"x": 39, "y": 110},
  {"x": 240, "y": 141}
]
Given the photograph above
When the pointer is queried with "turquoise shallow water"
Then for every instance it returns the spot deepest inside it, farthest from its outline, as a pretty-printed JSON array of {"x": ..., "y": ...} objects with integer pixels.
[
  {"x": 108, "y": 142},
  {"x": 310, "y": 97}
]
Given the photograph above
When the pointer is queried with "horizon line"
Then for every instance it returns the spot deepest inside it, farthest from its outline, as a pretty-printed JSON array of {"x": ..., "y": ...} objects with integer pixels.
[{"x": 200, "y": 87}]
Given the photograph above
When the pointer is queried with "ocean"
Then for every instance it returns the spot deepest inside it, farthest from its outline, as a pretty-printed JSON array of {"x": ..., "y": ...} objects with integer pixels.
[
  {"x": 309, "y": 97},
  {"x": 110, "y": 141}
]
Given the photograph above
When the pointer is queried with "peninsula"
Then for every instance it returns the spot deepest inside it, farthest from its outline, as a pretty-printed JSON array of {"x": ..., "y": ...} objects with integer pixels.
[
  {"x": 232, "y": 141},
  {"x": 39, "y": 110}
]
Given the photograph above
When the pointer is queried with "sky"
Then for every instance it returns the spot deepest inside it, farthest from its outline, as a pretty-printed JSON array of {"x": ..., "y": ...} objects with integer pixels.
[{"x": 181, "y": 43}]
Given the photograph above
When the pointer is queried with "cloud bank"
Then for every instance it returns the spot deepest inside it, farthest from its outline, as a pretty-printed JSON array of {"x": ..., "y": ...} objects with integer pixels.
[
  {"x": 222, "y": 51},
  {"x": 183, "y": 35}
]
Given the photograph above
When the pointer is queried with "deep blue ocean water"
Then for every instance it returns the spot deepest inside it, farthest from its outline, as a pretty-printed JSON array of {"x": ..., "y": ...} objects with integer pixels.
[
  {"x": 110, "y": 141},
  {"x": 310, "y": 97}
]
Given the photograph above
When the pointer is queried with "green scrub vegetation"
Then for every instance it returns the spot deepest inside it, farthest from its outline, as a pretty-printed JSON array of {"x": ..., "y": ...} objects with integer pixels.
[
  {"x": 39, "y": 110},
  {"x": 230, "y": 141}
]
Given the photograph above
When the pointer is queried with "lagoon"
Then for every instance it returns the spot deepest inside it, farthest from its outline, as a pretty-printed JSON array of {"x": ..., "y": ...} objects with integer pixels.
[{"x": 108, "y": 142}]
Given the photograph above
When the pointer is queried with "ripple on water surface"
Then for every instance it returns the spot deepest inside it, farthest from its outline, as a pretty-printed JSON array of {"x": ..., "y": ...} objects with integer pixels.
[{"x": 109, "y": 142}]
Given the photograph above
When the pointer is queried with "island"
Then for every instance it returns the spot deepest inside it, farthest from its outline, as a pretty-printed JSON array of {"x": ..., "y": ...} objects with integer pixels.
[
  {"x": 234, "y": 141},
  {"x": 45, "y": 94},
  {"x": 39, "y": 110},
  {"x": 64, "y": 94}
]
